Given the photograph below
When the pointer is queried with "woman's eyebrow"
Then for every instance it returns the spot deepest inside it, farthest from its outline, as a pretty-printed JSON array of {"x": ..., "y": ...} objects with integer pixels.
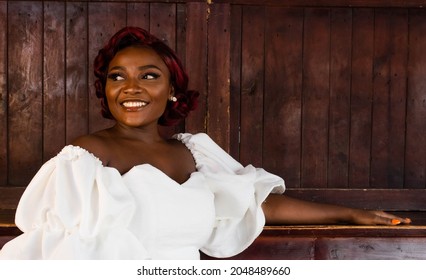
[
  {"x": 149, "y": 66},
  {"x": 144, "y": 67}
]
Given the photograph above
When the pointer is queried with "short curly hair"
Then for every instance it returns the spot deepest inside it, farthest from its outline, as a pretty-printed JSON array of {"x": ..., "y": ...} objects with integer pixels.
[{"x": 135, "y": 36}]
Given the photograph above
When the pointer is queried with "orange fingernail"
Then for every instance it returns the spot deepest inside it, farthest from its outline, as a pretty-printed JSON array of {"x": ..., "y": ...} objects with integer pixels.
[{"x": 396, "y": 222}]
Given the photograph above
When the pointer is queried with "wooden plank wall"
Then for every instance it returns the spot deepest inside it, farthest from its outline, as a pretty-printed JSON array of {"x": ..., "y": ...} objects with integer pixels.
[{"x": 326, "y": 96}]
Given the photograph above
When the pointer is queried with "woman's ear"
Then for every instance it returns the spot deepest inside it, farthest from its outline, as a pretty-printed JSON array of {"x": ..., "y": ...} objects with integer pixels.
[{"x": 172, "y": 96}]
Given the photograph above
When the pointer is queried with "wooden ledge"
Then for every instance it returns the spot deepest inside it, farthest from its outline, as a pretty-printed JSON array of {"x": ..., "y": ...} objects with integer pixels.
[
  {"x": 313, "y": 241},
  {"x": 346, "y": 231}
]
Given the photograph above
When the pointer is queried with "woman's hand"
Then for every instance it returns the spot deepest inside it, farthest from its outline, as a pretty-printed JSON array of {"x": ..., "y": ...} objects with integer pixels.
[{"x": 364, "y": 217}]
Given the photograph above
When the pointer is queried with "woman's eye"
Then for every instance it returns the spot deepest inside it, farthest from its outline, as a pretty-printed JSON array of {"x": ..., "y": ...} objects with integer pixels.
[
  {"x": 115, "y": 77},
  {"x": 150, "y": 76}
]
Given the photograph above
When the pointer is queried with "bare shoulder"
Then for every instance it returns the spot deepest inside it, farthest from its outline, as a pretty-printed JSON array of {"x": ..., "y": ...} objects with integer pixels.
[
  {"x": 182, "y": 153},
  {"x": 96, "y": 144}
]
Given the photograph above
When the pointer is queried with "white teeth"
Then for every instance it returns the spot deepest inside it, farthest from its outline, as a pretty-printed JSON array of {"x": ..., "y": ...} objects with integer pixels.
[{"x": 133, "y": 104}]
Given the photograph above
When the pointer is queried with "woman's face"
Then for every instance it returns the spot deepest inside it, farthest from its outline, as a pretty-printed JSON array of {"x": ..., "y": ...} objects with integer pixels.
[{"x": 138, "y": 86}]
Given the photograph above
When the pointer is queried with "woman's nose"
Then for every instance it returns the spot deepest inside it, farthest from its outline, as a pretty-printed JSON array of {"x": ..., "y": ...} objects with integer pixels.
[{"x": 132, "y": 87}]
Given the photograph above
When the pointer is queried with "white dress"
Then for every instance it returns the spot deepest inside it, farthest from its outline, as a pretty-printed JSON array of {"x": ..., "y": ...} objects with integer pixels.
[{"x": 76, "y": 208}]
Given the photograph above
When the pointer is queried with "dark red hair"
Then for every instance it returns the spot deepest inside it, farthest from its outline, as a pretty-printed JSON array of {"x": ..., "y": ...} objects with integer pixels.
[{"x": 131, "y": 36}]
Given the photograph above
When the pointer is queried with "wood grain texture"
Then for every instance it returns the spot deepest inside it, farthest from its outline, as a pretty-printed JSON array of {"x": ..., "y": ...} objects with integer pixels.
[
  {"x": 415, "y": 154},
  {"x": 218, "y": 56},
  {"x": 315, "y": 97},
  {"x": 324, "y": 96},
  {"x": 3, "y": 94},
  {"x": 196, "y": 63},
  {"x": 54, "y": 107},
  {"x": 340, "y": 92},
  {"x": 104, "y": 19},
  {"x": 252, "y": 85},
  {"x": 361, "y": 98},
  {"x": 283, "y": 93},
  {"x": 76, "y": 72},
  {"x": 25, "y": 74}
]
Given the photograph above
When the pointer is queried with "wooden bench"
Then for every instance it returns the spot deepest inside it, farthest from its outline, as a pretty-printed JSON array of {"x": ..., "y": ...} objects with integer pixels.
[{"x": 305, "y": 242}]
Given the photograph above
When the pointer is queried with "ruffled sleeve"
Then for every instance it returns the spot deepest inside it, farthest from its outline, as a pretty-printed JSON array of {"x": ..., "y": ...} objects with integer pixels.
[
  {"x": 238, "y": 194},
  {"x": 75, "y": 208}
]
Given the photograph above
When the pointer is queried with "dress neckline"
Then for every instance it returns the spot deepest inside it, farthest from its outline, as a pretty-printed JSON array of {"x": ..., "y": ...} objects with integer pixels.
[{"x": 154, "y": 168}]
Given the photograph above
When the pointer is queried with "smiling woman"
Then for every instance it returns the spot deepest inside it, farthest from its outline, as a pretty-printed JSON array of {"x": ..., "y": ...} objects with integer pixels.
[
  {"x": 138, "y": 87},
  {"x": 126, "y": 192},
  {"x": 184, "y": 101}
]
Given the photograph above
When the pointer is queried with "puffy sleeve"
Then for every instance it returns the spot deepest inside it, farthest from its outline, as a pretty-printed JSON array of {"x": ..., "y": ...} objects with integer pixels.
[
  {"x": 238, "y": 195},
  {"x": 75, "y": 208}
]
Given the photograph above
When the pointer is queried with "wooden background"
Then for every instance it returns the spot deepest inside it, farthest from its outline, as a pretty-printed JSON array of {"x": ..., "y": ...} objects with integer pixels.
[{"x": 327, "y": 94}]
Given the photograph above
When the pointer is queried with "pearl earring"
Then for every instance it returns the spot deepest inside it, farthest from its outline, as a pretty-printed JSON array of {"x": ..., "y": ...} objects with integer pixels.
[{"x": 173, "y": 98}]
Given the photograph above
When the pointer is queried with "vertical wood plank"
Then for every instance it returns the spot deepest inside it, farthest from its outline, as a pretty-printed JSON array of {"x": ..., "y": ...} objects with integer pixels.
[
  {"x": 77, "y": 64},
  {"x": 316, "y": 71},
  {"x": 340, "y": 87},
  {"x": 235, "y": 86},
  {"x": 181, "y": 32},
  {"x": 283, "y": 93},
  {"x": 398, "y": 92},
  {"x": 388, "y": 129},
  {"x": 163, "y": 22},
  {"x": 361, "y": 95},
  {"x": 163, "y": 25},
  {"x": 252, "y": 85},
  {"x": 415, "y": 154},
  {"x": 25, "y": 56},
  {"x": 53, "y": 79},
  {"x": 138, "y": 15},
  {"x": 104, "y": 20},
  {"x": 180, "y": 47},
  {"x": 381, "y": 95},
  {"x": 218, "y": 121},
  {"x": 196, "y": 63},
  {"x": 3, "y": 93}
]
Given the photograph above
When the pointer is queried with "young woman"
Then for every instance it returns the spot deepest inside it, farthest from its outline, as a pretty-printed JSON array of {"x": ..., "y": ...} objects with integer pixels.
[{"x": 127, "y": 193}]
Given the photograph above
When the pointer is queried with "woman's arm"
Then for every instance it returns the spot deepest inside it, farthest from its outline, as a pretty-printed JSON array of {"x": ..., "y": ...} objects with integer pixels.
[{"x": 281, "y": 209}]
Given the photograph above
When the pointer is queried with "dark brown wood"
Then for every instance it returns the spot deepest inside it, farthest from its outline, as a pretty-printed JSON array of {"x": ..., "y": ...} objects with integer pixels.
[
  {"x": 218, "y": 99},
  {"x": 53, "y": 79},
  {"x": 3, "y": 94},
  {"x": 315, "y": 97},
  {"x": 252, "y": 85},
  {"x": 385, "y": 199},
  {"x": 104, "y": 20},
  {"x": 76, "y": 71},
  {"x": 361, "y": 95},
  {"x": 336, "y": 242},
  {"x": 388, "y": 118},
  {"x": 363, "y": 71},
  {"x": 398, "y": 101},
  {"x": 329, "y": 3},
  {"x": 25, "y": 60},
  {"x": 273, "y": 248},
  {"x": 415, "y": 154},
  {"x": 371, "y": 249},
  {"x": 138, "y": 15},
  {"x": 293, "y": 3},
  {"x": 283, "y": 93},
  {"x": 196, "y": 63},
  {"x": 9, "y": 196},
  {"x": 235, "y": 86},
  {"x": 340, "y": 88},
  {"x": 163, "y": 25}
]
